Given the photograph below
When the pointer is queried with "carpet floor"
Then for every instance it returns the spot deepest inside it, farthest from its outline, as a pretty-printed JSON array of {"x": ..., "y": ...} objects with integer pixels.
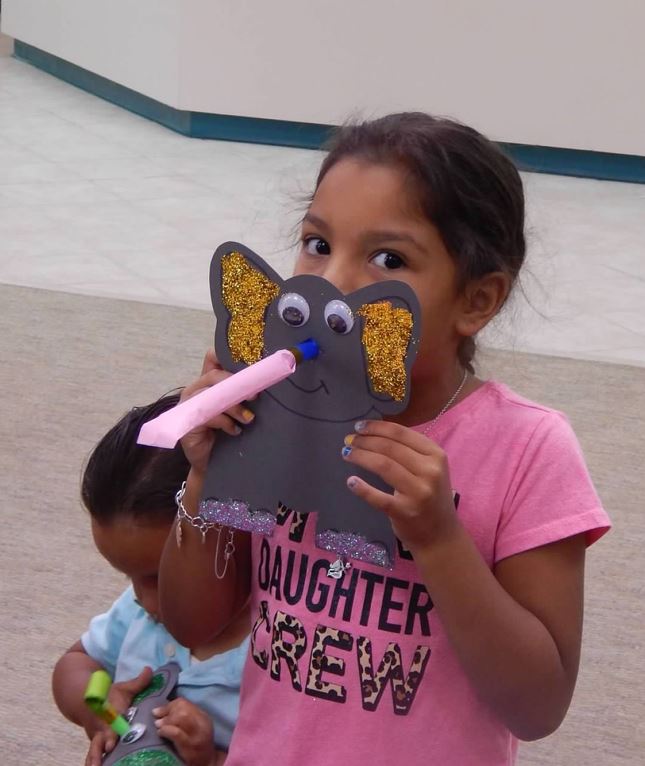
[{"x": 72, "y": 364}]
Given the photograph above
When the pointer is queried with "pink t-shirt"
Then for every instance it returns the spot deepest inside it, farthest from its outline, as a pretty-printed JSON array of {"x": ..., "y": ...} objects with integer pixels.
[{"x": 358, "y": 670}]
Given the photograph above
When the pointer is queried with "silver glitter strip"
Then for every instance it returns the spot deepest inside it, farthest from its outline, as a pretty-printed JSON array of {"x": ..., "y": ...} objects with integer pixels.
[
  {"x": 237, "y": 514},
  {"x": 354, "y": 546}
]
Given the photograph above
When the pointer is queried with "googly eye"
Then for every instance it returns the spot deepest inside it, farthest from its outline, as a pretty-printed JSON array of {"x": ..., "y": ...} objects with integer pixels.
[
  {"x": 339, "y": 317},
  {"x": 136, "y": 732},
  {"x": 293, "y": 309}
]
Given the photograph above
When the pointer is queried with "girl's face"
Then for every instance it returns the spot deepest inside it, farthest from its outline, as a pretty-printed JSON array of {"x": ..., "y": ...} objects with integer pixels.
[
  {"x": 134, "y": 549},
  {"x": 363, "y": 226}
]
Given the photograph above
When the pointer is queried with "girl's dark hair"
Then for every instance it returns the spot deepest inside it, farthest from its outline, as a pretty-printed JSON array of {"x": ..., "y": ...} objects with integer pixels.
[
  {"x": 465, "y": 185},
  {"x": 123, "y": 478}
]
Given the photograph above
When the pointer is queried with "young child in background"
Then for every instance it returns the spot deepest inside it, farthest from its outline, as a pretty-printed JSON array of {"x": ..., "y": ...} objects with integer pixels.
[
  {"x": 129, "y": 492},
  {"x": 472, "y": 640}
]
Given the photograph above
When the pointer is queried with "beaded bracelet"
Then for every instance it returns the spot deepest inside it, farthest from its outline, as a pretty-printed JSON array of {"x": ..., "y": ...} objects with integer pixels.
[{"x": 204, "y": 526}]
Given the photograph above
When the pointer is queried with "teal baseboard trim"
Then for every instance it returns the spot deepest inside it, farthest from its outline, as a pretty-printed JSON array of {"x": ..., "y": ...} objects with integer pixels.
[
  {"x": 257, "y": 130},
  {"x": 535, "y": 159},
  {"x": 604, "y": 166},
  {"x": 131, "y": 100},
  {"x": 194, "y": 124}
]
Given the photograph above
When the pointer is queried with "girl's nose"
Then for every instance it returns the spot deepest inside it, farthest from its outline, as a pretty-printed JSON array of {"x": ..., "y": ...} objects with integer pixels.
[{"x": 344, "y": 276}]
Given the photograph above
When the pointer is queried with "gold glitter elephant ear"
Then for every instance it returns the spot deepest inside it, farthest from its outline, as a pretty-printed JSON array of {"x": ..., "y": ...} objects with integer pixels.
[
  {"x": 390, "y": 318},
  {"x": 242, "y": 288},
  {"x": 386, "y": 335}
]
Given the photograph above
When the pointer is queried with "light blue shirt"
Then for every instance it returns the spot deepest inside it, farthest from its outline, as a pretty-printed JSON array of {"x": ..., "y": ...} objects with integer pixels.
[{"x": 125, "y": 639}]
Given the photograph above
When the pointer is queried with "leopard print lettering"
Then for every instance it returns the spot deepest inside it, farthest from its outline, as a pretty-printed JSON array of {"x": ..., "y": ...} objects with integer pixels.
[
  {"x": 390, "y": 668},
  {"x": 321, "y": 662},
  {"x": 261, "y": 658},
  {"x": 289, "y": 651}
]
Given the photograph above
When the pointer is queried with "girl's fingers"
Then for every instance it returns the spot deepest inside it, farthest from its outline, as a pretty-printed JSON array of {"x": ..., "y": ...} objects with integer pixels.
[
  {"x": 210, "y": 362},
  {"x": 207, "y": 380},
  {"x": 223, "y": 423},
  {"x": 133, "y": 686},
  {"x": 176, "y": 735},
  {"x": 101, "y": 743},
  {"x": 241, "y": 413},
  {"x": 417, "y": 463},
  {"x": 226, "y": 423},
  {"x": 93, "y": 758},
  {"x": 179, "y": 713},
  {"x": 397, "y": 433},
  {"x": 393, "y": 473},
  {"x": 382, "y": 501}
]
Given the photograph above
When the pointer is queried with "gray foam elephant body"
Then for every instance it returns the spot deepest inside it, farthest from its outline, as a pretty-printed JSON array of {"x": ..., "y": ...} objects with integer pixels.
[{"x": 291, "y": 453}]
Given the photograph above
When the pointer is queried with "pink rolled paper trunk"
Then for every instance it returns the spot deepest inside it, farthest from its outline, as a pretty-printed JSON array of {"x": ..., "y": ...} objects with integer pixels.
[{"x": 166, "y": 430}]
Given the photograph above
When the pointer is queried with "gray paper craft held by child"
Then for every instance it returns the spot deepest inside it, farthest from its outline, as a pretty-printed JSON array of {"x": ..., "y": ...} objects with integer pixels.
[{"x": 289, "y": 456}]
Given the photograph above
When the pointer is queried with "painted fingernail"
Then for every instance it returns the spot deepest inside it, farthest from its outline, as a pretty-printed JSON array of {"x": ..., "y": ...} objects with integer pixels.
[
  {"x": 248, "y": 415},
  {"x": 352, "y": 482},
  {"x": 346, "y": 451},
  {"x": 361, "y": 426},
  {"x": 237, "y": 431},
  {"x": 349, "y": 439}
]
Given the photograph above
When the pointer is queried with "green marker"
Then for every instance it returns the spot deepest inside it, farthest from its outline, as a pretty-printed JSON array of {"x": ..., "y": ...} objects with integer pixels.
[{"x": 97, "y": 701}]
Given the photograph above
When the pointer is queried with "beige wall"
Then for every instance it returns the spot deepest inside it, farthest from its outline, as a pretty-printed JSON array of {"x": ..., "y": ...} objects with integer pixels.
[
  {"x": 132, "y": 42},
  {"x": 567, "y": 73}
]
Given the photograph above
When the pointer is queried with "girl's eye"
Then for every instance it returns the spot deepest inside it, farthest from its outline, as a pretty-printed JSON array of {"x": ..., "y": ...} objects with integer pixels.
[
  {"x": 388, "y": 260},
  {"x": 317, "y": 246},
  {"x": 293, "y": 309},
  {"x": 339, "y": 317}
]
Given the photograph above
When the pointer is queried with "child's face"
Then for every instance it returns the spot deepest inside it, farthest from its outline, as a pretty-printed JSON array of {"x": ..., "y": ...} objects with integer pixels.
[
  {"x": 134, "y": 549},
  {"x": 363, "y": 226}
]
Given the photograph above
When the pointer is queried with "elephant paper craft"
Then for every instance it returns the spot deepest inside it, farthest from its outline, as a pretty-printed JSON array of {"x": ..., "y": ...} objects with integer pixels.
[
  {"x": 141, "y": 744},
  {"x": 289, "y": 456}
]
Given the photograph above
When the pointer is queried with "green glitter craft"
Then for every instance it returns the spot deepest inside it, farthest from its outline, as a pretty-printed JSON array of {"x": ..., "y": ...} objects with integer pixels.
[
  {"x": 148, "y": 758},
  {"x": 157, "y": 683}
]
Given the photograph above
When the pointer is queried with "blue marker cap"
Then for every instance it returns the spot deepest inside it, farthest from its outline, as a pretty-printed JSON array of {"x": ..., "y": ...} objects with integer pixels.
[{"x": 306, "y": 350}]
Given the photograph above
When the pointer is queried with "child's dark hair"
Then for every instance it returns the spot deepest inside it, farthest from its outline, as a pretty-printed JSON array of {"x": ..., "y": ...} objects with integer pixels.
[
  {"x": 123, "y": 478},
  {"x": 465, "y": 184}
]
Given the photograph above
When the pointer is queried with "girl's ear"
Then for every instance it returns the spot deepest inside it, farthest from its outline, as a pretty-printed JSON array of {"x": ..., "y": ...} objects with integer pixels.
[{"x": 481, "y": 301}]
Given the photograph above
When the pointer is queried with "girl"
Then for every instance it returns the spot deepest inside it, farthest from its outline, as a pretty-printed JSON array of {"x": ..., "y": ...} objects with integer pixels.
[
  {"x": 129, "y": 492},
  {"x": 472, "y": 641}
]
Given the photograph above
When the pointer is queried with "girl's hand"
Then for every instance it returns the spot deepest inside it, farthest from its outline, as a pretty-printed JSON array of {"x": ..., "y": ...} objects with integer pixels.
[
  {"x": 102, "y": 742},
  {"x": 198, "y": 444},
  {"x": 190, "y": 730},
  {"x": 422, "y": 509},
  {"x": 121, "y": 694}
]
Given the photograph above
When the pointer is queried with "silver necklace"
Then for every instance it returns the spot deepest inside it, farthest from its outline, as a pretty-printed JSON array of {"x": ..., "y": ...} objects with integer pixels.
[{"x": 447, "y": 405}]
